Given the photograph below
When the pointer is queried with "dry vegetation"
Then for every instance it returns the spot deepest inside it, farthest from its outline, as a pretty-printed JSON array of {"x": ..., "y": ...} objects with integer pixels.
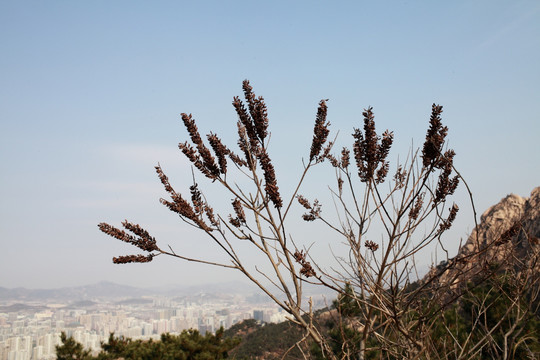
[{"x": 381, "y": 310}]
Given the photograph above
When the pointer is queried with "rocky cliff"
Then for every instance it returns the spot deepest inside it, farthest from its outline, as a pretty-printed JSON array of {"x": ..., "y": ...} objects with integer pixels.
[
  {"x": 506, "y": 239},
  {"x": 514, "y": 221}
]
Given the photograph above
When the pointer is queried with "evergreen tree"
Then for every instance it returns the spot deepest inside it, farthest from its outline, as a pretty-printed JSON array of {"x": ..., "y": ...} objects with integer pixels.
[
  {"x": 189, "y": 345},
  {"x": 71, "y": 349}
]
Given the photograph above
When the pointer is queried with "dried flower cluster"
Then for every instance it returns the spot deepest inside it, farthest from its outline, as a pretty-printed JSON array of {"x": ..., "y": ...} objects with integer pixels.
[
  {"x": 270, "y": 185},
  {"x": 320, "y": 131},
  {"x": 306, "y": 269},
  {"x": 243, "y": 144},
  {"x": 345, "y": 158},
  {"x": 240, "y": 218},
  {"x": 447, "y": 223},
  {"x": 509, "y": 234},
  {"x": 340, "y": 185},
  {"x": 182, "y": 207},
  {"x": 434, "y": 158},
  {"x": 304, "y": 202},
  {"x": 256, "y": 121},
  {"x": 196, "y": 199},
  {"x": 434, "y": 138},
  {"x": 252, "y": 132},
  {"x": 415, "y": 210},
  {"x": 126, "y": 259},
  {"x": 220, "y": 150},
  {"x": 202, "y": 157},
  {"x": 314, "y": 210},
  {"x": 343, "y": 162},
  {"x": 400, "y": 176},
  {"x": 370, "y": 155},
  {"x": 257, "y": 109},
  {"x": 446, "y": 185},
  {"x": 142, "y": 240},
  {"x": 371, "y": 245}
]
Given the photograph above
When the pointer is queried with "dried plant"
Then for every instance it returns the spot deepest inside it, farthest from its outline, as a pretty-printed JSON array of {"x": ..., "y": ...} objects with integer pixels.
[{"x": 394, "y": 312}]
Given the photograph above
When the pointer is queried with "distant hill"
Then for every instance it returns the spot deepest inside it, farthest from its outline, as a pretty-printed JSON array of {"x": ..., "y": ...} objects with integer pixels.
[
  {"x": 100, "y": 290},
  {"x": 21, "y": 307},
  {"x": 135, "y": 301},
  {"x": 83, "y": 304},
  {"x": 107, "y": 290}
]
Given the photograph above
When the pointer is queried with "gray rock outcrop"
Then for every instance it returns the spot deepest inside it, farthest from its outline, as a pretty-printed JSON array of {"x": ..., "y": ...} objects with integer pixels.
[{"x": 506, "y": 239}]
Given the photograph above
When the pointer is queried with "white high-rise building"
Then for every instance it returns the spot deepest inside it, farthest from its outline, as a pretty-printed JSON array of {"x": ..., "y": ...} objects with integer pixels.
[
  {"x": 49, "y": 345},
  {"x": 14, "y": 343},
  {"x": 28, "y": 344},
  {"x": 37, "y": 354}
]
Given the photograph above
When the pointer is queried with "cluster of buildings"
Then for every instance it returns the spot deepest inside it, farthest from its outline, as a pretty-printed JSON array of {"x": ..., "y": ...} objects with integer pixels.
[{"x": 32, "y": 332}]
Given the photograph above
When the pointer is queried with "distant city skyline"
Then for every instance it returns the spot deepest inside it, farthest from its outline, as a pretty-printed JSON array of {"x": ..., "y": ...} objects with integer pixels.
[
  {"x": 29, "y": 332},
  {"x": 91, "y": 94}
]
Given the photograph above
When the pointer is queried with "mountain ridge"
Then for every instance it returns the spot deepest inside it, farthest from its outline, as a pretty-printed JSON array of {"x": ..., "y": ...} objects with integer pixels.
[{"x": 108, "y": 289}]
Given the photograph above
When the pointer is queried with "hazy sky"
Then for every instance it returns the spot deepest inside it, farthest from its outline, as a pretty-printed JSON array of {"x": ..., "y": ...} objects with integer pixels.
[{"x": 91, "y": 92}]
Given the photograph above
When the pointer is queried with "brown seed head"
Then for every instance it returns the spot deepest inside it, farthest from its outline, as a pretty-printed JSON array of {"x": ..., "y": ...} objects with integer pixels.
[
  {"x": 303, "y": 201},
  {"x": 195, "y": 159},
  {"x": 400, "y": 176},
  {"x": 415, "y": 210},
  {"x": 132, "y": 259},
  {"x": 434, "y": 138},
  {"x": 320, "y": 131},
  {"x": 368, "y": 153},
  {"x": 164, "y": 180},
  {"x": 211, "y": 170},
  {"x": 446, "y": 186},
  {"x": 306, "y": 268},
  {"x": 234, "y": 221},
  {"x": 509, "y": 234},
  {"x": 333, "y": 161},
  {"x": 447, "y": 224},
  {"x": 220, "y": 150},
  {"x": 196, "y": 199},
  {"x": 243, "y": 144},
  {"x": 345, "y": 158},
  {"x": 270, "y": 186},
  {"x": 180, "y": 206},
  {"x": 315, "y": 210},
  {"x": 209, "y": 211},
  {"x": 258, "y": 111},
  {"x": 239, "y": 211},
  {"x": 382, "y": 172},
  {"x": 371, "y": 245},
  {"x": 143, "y": 240},
  {"x": 247, "y": 122}
]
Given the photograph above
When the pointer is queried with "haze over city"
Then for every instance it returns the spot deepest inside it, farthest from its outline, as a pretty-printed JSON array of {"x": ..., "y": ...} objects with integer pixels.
[{"x": 91, "y": 94}]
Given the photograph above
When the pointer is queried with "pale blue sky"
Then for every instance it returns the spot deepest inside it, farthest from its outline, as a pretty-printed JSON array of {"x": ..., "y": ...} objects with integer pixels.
[{"x": 91, "y": 91}]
